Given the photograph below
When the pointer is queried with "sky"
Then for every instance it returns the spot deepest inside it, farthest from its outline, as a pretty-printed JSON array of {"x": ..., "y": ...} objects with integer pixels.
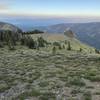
[{"x": 42, "y": 9}]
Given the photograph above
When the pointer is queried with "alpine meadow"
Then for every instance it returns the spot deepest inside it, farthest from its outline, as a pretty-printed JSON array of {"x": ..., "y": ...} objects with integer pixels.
[{"x": 49, "y": 50}]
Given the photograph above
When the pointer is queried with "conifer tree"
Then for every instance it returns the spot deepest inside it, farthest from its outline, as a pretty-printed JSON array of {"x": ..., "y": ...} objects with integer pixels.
[
  {"x": 69, "y": 46},
  {"x": 54, "y": 50}
]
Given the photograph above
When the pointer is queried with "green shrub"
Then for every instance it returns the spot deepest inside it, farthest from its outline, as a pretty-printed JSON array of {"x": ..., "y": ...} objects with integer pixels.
[
  {"x": 97, "y": 93},
  {"x": 1, "y": 45},
  {"x": 23, "y": 40},
  {"x": 47, "y": 95},
  {"x": 41, "y": 42},
  {"x": 32, "y": 93},
  {"x": 87, "y": 96},
  {"x": 60, "y": 47},
  {"x": 4, "y": 87},
  {"x": 28, "y": 41},
  {"x": 94, "y": 78},
  {"x": 66, "y": 41},
  {"x": 63, "y": 46},
  {"x": 77, "y": 81},
  {"x": 92, "y": 75},
  {"x": 31, "y": 43},
  {"x": 97, "y": 51},
  {"x": 80, "y": 49},
  {"x": 57, "y": 44},
  {"x": 76, "y": 91},
  {"x": 43, "y": 84}
]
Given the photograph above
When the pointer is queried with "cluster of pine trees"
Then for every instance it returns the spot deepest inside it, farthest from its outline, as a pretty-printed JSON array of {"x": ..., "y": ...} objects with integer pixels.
[
  {"x": 8, "y": 38},
  {"x": 33, "y": 32},
  {"x": 33, "y": 44},
  {"x": 67, "y": 45},
  {"x": 11, "y": 39},
  {"x": 57, "y": 45}
]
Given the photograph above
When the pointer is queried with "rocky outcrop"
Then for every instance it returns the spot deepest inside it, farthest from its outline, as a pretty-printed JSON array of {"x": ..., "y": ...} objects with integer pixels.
[{"x": 69, "y": 33}]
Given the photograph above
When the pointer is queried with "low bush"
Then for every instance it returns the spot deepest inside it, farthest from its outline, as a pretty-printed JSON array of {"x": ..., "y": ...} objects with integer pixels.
[
  {"x": 54, "y": 50},
  {"x": 87, "y": 95},
  {"x": 77, "y": 81},
  {"x": 41, "y": 42},
  {"x": 28, "y": 41}
]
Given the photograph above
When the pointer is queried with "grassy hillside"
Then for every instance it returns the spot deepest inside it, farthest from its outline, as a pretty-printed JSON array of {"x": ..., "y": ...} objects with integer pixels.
[
  {"x": 41, "y": 74},
  {"x": 86, "y": 32},
  {"x": 76, "y": 44}
]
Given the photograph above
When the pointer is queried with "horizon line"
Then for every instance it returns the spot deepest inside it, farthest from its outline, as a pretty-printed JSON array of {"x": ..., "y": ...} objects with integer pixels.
[{"x": 48, "y": 15}]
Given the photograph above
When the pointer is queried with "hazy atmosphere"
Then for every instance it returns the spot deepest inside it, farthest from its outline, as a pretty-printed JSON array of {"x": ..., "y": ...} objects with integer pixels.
[
  {"x": 47, "y": 12},
  {"x": 49, "y": 49}
]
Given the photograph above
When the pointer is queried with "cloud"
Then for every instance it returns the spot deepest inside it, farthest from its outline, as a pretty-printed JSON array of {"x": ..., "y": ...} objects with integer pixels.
[{"x": 4, "y": 7}]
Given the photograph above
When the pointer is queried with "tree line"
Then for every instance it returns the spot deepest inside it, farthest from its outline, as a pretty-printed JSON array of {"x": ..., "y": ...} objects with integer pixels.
[
  {"x": 11, "y": 39},
  {"x": 33, "y": 32}
]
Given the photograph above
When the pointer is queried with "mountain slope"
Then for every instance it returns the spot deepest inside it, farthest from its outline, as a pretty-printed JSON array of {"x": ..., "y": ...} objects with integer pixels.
[
  {"x": 86, "y": 32},
  {"x": 75, "y": 43},
  {"x": 40, "y": 74},
  {"x": 70, "y": 36},
  {"x": 7, "y": 26}
]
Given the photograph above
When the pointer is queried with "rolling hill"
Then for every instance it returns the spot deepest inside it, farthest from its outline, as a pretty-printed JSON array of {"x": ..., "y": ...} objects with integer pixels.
[{"x": 7, "y": 26}]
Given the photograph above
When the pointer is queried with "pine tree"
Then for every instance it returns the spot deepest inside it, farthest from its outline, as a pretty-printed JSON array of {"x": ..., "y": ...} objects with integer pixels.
[
  {"x": 69, "y": 46},
  {"x": 41, "y": 42},
  {"x": 80, "y": 50},
  {"x": 54, "y": 50},
  {"x": 59, "y": 47},
  {"x": 97, "y": 51},
  {"x": 66, "y": 41},
  {"x": 63, "y": 46},
  {"x": 9, "y": 39}
]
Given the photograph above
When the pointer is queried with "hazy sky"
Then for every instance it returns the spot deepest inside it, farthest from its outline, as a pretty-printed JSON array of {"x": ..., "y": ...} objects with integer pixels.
[
  {"x": 48, "y": 12},
  {"x": 50, "y": 8}
]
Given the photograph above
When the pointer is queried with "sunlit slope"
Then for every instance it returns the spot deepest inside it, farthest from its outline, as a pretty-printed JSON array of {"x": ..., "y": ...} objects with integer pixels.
[{"x": 75, "y": 43}]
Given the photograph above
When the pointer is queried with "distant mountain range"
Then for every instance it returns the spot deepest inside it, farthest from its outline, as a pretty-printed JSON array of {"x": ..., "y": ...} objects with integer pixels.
[
  {"x": 88, "y": 33},
  {"x": 7, "y": 26}
]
